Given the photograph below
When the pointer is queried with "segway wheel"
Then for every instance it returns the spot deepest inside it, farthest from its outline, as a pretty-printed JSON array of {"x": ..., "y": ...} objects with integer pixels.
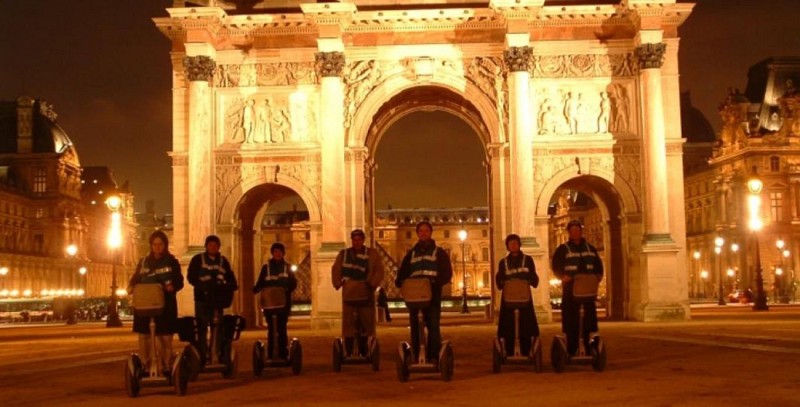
[
  {"x": 497, "y": 357},
  {"x": 258, "y": 358},
  {"x": 193, "y": 363},
  {"x": 375, "y": 354},
  {"x": 180, "y": 376},
  {"x": 536, "y": 354},
  {"x": 558, "y": 356},
  {"x": 338, "y": 355},
  {"x": 447, "y": 363},
  {"x": 296, "y": 353},
  {"x": 599, "y": 354},
  {"x": 402, "y": 361},
  {"x": 133, "y": 368},
  {"x": 232, "y": 362}
]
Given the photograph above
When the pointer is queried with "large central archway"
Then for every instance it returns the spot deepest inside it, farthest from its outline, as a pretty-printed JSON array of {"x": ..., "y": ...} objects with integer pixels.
[{"x": 391, "y": 227}]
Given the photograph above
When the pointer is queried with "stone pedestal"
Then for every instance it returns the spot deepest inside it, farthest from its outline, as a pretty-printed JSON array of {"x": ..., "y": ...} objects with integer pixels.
[
  {"x": 660, "y": 291},
  {"x": 326, "y": 302}
]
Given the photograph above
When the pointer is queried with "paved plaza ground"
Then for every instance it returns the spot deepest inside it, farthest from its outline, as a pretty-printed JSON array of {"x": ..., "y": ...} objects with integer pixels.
[{"x": 724, "y": 357}]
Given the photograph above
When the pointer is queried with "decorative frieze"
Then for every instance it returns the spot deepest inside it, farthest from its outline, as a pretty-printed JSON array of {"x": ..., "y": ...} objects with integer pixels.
[{"x": 582, "y": 66}]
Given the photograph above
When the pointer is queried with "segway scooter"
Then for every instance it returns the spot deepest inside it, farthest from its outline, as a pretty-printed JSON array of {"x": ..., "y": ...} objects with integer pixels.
[
  {"x": 417, "y": 295},
  {"x": 148, "y": 300},
  {"x": 596, "y": 353},
  {"x": 517, "y": 294},
  {"x": 218, "y": 358},
  {"x": 356, "y": 293},
  {"x": 274, "y": 298}
]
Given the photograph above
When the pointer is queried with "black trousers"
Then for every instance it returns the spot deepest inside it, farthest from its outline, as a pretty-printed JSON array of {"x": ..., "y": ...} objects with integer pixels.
[
  {"x": 570, "y": 320},
  {"x": 281, "y": 320},
  {"x": 431, "y": 317},
  {"x": 528, "y": 327},
  {"x": 204, "y": 315}
]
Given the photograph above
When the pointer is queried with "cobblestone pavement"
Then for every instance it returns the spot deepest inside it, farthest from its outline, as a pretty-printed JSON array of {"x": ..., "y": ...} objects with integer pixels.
[{"x": 722, "y": 357}]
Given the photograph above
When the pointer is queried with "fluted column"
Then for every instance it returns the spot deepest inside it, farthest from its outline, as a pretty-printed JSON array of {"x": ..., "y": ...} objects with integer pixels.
[
  {"x": 199, "y": 71},
  {"x": 518, "y": 60},
  {"x": 650, "y": 57}
]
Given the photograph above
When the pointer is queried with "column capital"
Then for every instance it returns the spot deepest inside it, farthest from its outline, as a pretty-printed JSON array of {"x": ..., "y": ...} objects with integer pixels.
[
  {"x": 518, "y": 59},
  {"x": 650, "y": 55},
  {"x": 329, "y": 64},
  {"x": 199, "y": 68}
]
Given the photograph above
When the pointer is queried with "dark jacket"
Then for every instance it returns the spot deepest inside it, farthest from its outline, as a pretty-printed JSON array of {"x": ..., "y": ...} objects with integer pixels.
[
  {"x": 163, "y": 270},
  {"x": 276, "y": 268},
  {"x": 444, "y": 270},
  {"x": 216, "y": 274},
  {"x": 516, "y": 262}
]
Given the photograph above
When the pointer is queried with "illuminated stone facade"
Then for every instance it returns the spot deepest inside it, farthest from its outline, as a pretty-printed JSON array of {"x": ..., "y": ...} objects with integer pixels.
[
  {"x": 273, "y": 97},
  {"x": 760, "y": 136}
]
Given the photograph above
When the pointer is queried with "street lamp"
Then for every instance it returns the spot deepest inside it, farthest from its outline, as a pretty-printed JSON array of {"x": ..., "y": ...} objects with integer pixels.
[
  {"x": 754, "y": 185},
  {"x": 696, "y": 256},
  {"x": 718, "y": 243},
  {"x": 462, "y": 235},
  {"x": 114, "y": 203},
  {"x": 704, "y": 277},
  {"x": 82, "y": 271}
]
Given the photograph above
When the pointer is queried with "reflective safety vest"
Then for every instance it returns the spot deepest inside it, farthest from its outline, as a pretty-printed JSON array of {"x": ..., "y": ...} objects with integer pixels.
[
  {"x": 582, "y": 257},
  {"x": 517, "y": 272},
  {"x": 210, "y": 271},
  {"x": 424, "y": 265},
  {"x": 274, "y": 280},
  {"x": 155, "y": 275},
  {"x": 355, "y": 267}
]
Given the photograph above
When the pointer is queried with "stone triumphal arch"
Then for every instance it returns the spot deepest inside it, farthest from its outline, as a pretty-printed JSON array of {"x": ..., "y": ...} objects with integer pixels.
[{"x": 271, "y": 98}]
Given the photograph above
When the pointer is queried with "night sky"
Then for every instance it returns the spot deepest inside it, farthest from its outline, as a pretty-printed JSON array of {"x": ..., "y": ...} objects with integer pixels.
[{"x": 105, "y": 68}]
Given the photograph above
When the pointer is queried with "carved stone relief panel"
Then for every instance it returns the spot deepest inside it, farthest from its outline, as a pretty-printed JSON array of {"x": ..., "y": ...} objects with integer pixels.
[
  {"x": 265, "y": 74},
  {"x": 489, "y": 75},
  {"x": 583, "y": 66},
  {"x": 572, "y": 108},
  {"x": 360, "y": 78},
  {"x": 268, "y": 119}
]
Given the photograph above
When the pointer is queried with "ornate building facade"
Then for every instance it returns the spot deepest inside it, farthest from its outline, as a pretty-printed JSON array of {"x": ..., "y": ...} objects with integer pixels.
[
  {"x": 47, "y": 203},
  {"x": 582, "y": 96},
  {"x": 760, "y": 136}
]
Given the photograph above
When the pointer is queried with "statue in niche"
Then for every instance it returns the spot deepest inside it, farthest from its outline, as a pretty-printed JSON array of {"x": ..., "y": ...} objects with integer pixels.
[
  {"x": 234, "y": 121},
  {"x": 605, "y": 113},
  {"x": 263, "y": 133},
  {"x": 548, "y": 118},
  {"x": 249, "y": 120},
  {"x": 572, "y": 111},
  {"x": 280, "y": 125},
  {"x": 619, "y": 109},
  {"x": 563, "y": 203}
]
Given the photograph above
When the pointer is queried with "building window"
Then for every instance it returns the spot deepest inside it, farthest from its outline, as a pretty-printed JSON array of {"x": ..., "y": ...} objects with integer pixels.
[
  {"x": 776, "y": 206},
  {"x": 485, "y": 279},
  {"x": 408, "y": 234},
  {"x": 446, "y": 234},
  {"x": 39, "y": 213},
  {"x": 308, "y": 235},
  {"x": 380, "y": 234},
  {"x": 485, "y": 233},
  {"x": 484, "y": 254},
  {"x": 40, "y": 181},
  {"x": 774, "y": 164}
]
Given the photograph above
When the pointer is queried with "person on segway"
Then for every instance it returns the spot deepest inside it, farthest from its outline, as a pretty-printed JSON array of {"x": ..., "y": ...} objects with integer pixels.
[
  {"x": 160, "y": 267},
  {"x": 214, "y": 283},
  {"x": 517, "y": 265},
  {"x": 358, "y": 271},
  {"x": 277, "y": 273},
  {"x": 572, "y": 258},
  {"x": 426, "y": 259}
]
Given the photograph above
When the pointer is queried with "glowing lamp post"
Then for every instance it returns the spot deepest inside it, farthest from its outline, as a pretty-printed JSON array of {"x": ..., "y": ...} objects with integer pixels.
[
  {"x": 754, "y": 185},
  {"x": 114, "y": 243},
  {"x": 462, "y": 235},
  {"x": 718, "y": 243},
  {"x": 696, "y": 273},
  {"x": 704, "y": 278}
]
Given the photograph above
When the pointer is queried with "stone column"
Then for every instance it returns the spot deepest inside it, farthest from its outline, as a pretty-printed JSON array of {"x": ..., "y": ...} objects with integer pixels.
[
  {"x": 520, "y": 140},
  {"x": 793, "y": 199},
  {"x": 650, "y": 57},
  {"x": 199, "y": 71},
  {"x": 325, "y": 302}
]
